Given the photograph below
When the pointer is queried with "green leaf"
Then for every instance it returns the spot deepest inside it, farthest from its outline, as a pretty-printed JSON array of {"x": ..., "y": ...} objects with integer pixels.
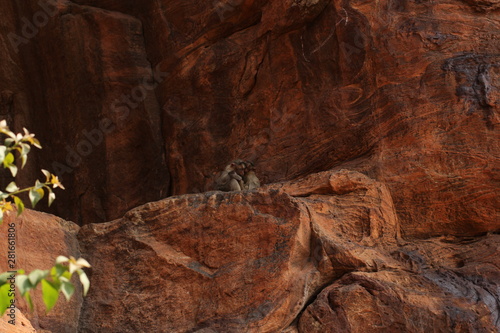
[
  {"x": 9, "y": 141},
  {"x": 66, "y": 275},
  {"x": 72, "y": 267},
  {"x": 3, "y": 150},
  {"x": 23, "y": 283},
  {"x": 50, "y": 294},
  {"x": 38, "y": 185},
  {"x": 4, "y": 277},
  {"x": 8, "y": 160},
  {"x": 35, "y": 196},
  {"x": 5, "y": 298},
  {"x": 67, "y": 289},
  {"x": 24, "y": 159},
  {"x": 47, "y": 175},
  {"x": 12, "y": 187},
  {"x": 11, "y": 134},
  {"x": 82, "y": 262},
  {"x": 51, "y": 197},
  {"x": 84, "y": 280},
  {"x": 61, "y": 259},
  {"x": 25, "y": 149},
  {"x": 36, "y": 276},
  {"x": 36, "y": 143},
  {"x": 29, "y": 300},
  {"x": 19, "y": 204},
  {"x": 57, "y": 271},
  {"x": 13, "y": 170}
]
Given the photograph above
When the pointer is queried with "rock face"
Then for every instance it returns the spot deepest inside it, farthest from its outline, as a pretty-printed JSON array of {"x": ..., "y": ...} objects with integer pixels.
[
  {"x": 252, "y": 261},
  {"x": 84, "y": 71},
  {"x": 22, "y": 324},
  {"x": 137, "y": 101},
  {"x": 39, "y": 239},
  {"x": 150, "y": 99},
  {"x": 451, "y": 294},
  {"x": 320, "y": 254}
]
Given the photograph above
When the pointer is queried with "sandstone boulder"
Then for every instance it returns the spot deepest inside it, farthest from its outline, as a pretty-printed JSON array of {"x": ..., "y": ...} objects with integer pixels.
[
  {"x": 234, "y": 262},
  {"x": 39, "y": 239},
  {"x": 441, "y": 288},
  {"x": 252, "y": 261},
  {"x": 320, "y": 254}
]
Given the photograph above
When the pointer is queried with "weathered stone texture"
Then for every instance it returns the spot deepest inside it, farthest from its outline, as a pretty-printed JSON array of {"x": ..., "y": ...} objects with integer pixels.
[
  {"x": 251, "y": 262},
  {"x": 135, "y": 101},
  {"x": 83, "y": 84},
  {"x": 39, "y": 239}
]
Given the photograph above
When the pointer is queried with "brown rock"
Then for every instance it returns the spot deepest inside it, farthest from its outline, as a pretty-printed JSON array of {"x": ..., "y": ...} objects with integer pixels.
[
  {"x": 320, "y": 254},
  {"x": 39, "y": 239},
  {"x": 233, "y": 262},
  {"x": 22, "y": 324},
  {"x": 405, "y": 92},
  {"x": 437, "y": 292},
  {"x": 87, "y": 75}
]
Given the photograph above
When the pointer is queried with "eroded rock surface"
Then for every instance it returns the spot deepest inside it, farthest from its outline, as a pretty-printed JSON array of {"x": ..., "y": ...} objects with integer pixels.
[
  {"x": 21, "y": 325},
  {"x": 135, "y": 101},
  {"x": 320, "y": 254},
  {"x": 438, "y": 288},
  {"x": 233, "y": 262},
  {"x": 406, "y": 92},
  {"x": 79, "y": 78},
  {"x": 39, "y": 239},
  {"x": 252, "y": 262}
]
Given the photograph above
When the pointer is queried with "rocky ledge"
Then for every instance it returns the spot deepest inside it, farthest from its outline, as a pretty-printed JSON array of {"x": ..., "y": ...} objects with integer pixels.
[{"x": 321, "y": 254}]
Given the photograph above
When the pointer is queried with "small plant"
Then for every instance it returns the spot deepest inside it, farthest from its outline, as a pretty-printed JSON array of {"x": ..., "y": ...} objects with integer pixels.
[
  {"x": 53, "y": 281},
  {"x": 57, "y": 279},
  {"x": 22, "y": 145}
]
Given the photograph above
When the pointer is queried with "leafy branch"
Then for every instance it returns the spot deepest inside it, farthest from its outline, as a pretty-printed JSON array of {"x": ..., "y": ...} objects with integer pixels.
[
  {"x": 58, "y": 278},
  {"x": 53, "y": 281},
  {"x": 21, "y": 143}
]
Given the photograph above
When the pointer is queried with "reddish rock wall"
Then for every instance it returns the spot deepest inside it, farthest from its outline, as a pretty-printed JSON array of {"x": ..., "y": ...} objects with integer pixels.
[
  {"x": 81, "y": 81},
  {"x": 443, "y": 285},
  {"x": 406, "y": 92},
  {"x": 321, "y": 254},
  {"x": 39, "y": 239},
  {"x": 254, "y": 261},
  {"x": 156, "y": 96}
]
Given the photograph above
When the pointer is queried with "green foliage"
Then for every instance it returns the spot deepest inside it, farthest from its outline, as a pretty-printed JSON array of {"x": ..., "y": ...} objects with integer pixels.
[
  {"x": 58, "y": 278},
  {"x": 5, "y": 294},
  {"x": 55, "y": 280},
  {"x": 21, "y": 144}
]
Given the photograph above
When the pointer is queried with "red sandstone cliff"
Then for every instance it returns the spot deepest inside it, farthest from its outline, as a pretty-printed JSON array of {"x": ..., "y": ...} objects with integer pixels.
[{"x": 137, "y": 101}]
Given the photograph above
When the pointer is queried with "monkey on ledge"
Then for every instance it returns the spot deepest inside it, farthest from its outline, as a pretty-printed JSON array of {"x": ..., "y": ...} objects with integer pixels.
[{"x": 237, "y": 175}]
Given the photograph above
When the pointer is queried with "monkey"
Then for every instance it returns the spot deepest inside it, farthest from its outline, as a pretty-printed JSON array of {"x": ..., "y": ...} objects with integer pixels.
[
  {"x": 231, "y": 178},
  {"x": 250, "y": 180},
  {"x": 240, "y": 170}
]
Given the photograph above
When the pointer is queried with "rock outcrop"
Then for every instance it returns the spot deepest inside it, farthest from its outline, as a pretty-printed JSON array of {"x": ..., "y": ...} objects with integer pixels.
[
  {"x": 253, "y": 261},
  {"x": 373, "y": 124},
  {"x": 320, "y": 254},
  {"x": 151, "y": 98},
  {"x": 39, "y": 239},
  {"x": 436, "y": 288}
]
